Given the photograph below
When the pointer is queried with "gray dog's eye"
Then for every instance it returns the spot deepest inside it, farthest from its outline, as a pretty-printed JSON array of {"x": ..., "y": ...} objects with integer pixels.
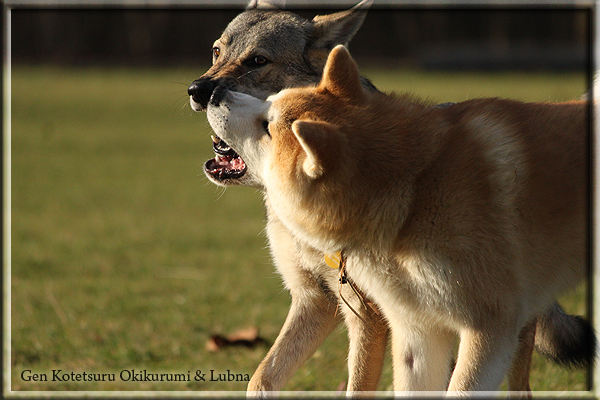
[
  {"x": 260, "y": 60},
  {"x": 216, "y": 52},
  {"x": 256, "y": 61}
]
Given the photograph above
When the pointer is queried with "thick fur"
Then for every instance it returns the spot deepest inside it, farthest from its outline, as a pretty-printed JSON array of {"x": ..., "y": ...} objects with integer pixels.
[
  {"x": 466, "y": 220},
  {"x": 296, "y": 50}
]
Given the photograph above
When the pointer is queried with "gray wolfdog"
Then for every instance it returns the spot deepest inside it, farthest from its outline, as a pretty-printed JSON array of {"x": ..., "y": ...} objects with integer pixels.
[{"x": 262, "y": 51}]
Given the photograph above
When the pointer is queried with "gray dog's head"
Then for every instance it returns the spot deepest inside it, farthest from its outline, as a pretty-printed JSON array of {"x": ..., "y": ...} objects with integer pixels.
[{"x": 264, "y": 50}]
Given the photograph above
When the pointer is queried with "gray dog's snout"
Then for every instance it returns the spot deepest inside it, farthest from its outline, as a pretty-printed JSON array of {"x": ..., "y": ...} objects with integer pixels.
[{"x": 201, "y": 90}]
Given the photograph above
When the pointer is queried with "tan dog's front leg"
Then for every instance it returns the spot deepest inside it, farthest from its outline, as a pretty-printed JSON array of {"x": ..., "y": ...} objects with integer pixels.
[
  {"x": 368, "y": 341},
  {"x": 309, "y": 321},
  {"x": 421, "y": 356}
]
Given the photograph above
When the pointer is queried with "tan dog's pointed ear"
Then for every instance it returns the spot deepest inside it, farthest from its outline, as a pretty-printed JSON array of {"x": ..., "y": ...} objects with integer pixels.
[
  {"x": 321, "y": 141},
  {"x": 341, "y": 76}
]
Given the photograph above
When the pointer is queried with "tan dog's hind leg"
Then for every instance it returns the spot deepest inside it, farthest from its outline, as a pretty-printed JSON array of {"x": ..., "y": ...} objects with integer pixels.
[
  {"x": 309, "y": 321},
  {"x": 421, "y": 357},
  {"x": 518, "y": 376},
  {"x": 368, "y": 342}
]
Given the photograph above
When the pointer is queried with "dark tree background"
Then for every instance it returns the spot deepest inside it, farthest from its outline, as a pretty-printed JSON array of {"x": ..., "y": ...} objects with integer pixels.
[{"x": 448, "y": 38}]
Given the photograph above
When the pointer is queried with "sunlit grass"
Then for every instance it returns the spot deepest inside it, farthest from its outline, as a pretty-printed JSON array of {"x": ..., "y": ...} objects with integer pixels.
[{"x": 125, "y": 257}]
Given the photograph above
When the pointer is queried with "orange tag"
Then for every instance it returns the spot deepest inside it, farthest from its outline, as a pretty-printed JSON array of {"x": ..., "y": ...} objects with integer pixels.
[{"x": 334, "y": 260}]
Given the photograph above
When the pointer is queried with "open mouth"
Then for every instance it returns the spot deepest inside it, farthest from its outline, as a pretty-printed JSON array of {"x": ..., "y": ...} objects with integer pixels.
[{"x": 227, "y": 164}]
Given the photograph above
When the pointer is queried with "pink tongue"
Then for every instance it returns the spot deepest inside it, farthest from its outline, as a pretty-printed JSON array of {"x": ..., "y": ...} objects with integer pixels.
[
  {"x": 229, "y": 163},
  {"x": 223, "y": 161},
  {"x": 238, "y": 163}
]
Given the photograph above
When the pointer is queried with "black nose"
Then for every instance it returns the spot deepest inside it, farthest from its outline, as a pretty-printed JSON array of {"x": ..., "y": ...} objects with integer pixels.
[{"x": 201, "y": 89}]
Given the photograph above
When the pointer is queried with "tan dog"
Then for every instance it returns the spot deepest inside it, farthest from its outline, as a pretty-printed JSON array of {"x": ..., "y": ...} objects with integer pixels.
[
  {"x": 464, "y": 220},
  {"x": 274, "y": 49}
]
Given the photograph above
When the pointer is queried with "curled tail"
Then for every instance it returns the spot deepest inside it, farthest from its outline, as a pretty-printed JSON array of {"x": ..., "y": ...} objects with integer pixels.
[{"x": 567, "y": 340}]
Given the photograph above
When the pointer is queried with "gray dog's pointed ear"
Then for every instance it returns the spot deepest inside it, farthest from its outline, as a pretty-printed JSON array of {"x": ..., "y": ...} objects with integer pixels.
[
  {"x": 340, "y": 27},
  {"x": 266, "y": 4}
]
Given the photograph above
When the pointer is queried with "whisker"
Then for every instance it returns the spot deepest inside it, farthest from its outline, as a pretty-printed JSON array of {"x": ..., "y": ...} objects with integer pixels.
[
  {"x": 186, "y": 107},
  {"x": 183, "y": 104},
  {"x": 181, "y": 98},
  {"x": 241, "y": 76},
  {"x": 223, "y": 189}
]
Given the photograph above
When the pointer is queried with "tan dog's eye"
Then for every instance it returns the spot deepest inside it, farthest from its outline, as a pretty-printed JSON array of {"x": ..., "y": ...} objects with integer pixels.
[
  {"x": 266, "y": 127},
  {"x": 216, "y": 52},
  {"x": 260, "y": 60}
]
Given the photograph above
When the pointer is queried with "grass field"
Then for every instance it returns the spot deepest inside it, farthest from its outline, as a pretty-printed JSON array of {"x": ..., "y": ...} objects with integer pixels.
[{"x": 125, "y": 257}]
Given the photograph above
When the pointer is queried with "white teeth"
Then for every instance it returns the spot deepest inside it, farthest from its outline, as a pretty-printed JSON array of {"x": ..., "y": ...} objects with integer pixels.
[
  {"x": 218, "y": 158},
  {"x": 214, "y": 139}
]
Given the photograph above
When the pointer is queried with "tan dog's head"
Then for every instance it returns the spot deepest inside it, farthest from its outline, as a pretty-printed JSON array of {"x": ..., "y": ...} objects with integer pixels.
[
  {"x": 293, "y": 131},
  {"x": 322, "y": 153}
]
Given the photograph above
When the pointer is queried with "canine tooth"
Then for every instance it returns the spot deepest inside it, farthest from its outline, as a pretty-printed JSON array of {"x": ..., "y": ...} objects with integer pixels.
[{"x": 214, "y": 139}]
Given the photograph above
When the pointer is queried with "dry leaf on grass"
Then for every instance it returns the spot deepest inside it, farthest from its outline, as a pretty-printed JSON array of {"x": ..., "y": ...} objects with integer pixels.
[{"x": 247, "y": 337}]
